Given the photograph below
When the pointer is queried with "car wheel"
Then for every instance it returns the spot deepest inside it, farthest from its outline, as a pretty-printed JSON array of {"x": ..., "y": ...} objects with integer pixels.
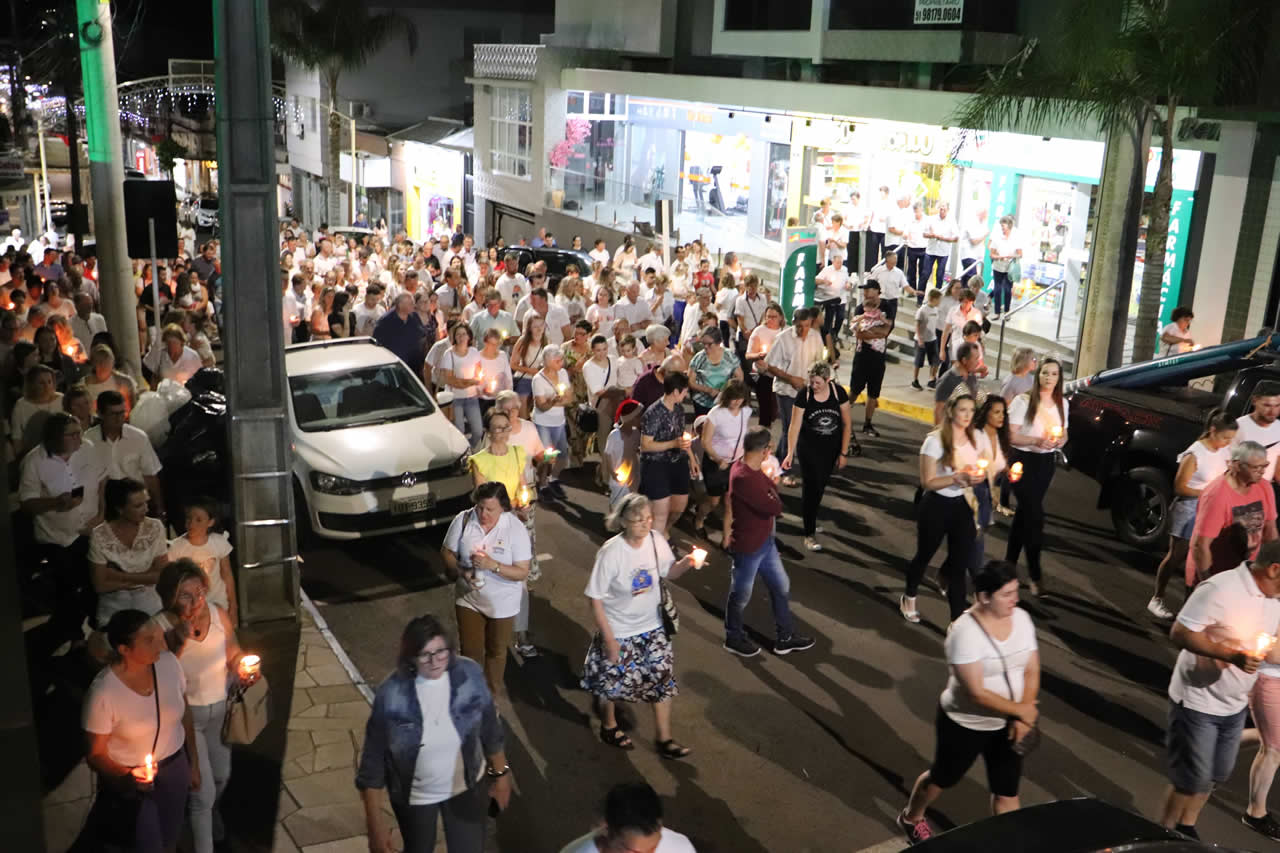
[{"x": 1140, "y": 507}]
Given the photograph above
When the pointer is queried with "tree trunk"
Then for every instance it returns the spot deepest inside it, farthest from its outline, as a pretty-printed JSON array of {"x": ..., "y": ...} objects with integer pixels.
[
  {"x": 1107, "y": 254},
  {"x": 333, "y": 158},
  {"x": 1144, "y": 336}
]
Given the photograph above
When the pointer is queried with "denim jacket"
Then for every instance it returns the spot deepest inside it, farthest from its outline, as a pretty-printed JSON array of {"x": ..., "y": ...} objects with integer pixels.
[{"x": 394, "y": 731}]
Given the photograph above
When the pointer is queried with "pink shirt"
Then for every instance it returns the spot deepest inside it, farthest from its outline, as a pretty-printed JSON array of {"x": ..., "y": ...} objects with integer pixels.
[{"x": 1221, "y": 506}]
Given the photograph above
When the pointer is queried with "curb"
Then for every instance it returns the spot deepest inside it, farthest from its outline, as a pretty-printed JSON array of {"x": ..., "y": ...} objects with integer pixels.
[
  {"x": 334, "y": 646},
  {"x": 914, "y": 411}
]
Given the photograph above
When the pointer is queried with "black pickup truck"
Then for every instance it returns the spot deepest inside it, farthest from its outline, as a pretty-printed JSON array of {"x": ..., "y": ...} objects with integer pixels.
[{"x": 1127, "y": 427}]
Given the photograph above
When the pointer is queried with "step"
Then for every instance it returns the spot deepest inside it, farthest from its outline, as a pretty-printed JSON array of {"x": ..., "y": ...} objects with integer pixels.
[{"x": 904, "y": 337}]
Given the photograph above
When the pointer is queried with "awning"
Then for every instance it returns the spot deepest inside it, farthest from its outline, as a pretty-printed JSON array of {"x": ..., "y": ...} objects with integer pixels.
[
  {"x": 428, "y": 132},
  {"x": 464, "y": 140}
]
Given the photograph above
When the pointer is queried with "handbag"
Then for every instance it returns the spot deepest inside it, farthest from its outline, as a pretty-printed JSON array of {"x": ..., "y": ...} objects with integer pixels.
[
  {"x": 1015, "y": 271},
  {"x": 248, "y": 712},
  {"x": 667, "y": 607},
  {"x": 1031, "y": 740},
  {"x": 587, "y": 417}
]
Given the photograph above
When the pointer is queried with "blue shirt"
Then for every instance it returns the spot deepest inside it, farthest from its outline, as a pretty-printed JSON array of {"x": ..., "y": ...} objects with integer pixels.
[{"x": 402, "y": 337}]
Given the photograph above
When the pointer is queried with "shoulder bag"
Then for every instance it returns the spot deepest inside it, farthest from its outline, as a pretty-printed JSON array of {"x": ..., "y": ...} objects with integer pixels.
[
  {"x": 248, "y": 712},
  {"x": 1031, "y": 740},
  {"x": 587, "y": 417},
  {"x": 667, "y": 606}
]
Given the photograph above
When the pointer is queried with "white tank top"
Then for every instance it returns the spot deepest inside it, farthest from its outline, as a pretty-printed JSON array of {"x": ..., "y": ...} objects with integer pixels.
[{"x": 205, "y": 663}]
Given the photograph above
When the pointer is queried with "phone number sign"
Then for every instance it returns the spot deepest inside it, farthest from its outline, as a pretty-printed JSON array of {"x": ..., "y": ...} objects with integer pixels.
[{"x": 939, "y": 12}]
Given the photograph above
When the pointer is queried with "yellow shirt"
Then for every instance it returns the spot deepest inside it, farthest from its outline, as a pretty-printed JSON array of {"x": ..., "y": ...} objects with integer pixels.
[{"x": 507, "y": 470}]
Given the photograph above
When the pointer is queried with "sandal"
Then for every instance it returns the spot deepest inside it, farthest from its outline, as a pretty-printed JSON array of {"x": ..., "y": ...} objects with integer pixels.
[
  {"x": 616, "y": 737},
  {"x": 671, "y": 749},
  {"x": 790, "y": 482}
]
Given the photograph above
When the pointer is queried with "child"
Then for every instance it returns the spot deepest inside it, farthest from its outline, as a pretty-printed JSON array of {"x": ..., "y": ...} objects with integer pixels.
[
  {"x": 211, "y": 552},
  {"x": 704, "y": 277},
  {"x": 622, "y": 451},
  {"x": 973, "y": 335},
  {"x": 630, "y": 366},
  {"x": 927, "y": 339}
]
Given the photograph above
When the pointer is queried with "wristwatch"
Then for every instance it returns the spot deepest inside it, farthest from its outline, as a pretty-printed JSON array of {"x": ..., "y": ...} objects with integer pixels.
[{"x": 498, "y": 774}]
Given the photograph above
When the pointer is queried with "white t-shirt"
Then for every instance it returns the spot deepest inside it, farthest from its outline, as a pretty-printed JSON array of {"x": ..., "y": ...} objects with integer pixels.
[
  {"x": 437, "y": 772},
  {"x": 975, "y": 235},
  {"x": 45, "y": 476},
  {"x": 130, "y": 456},
  {"x": 891, "y": 281},
  {"x": 367, "y": 318},
  {"x": 601, "y": 316},
  {"x": 964, "y": 456},
  {"x": 942, "y": 228},
  {"x": 599, "y": 378},
  {"x": 966, "y": 643},
  {"x": 507, "y": 543},
  {"x": 915, "y": 229},
  {"x": 208, "y": 557},
  {"x": 112, "y": 708},
  {"x": 750, "y": 312},
  {"x": 637, "y": 314},
  {"x": 629, "y": 370},
  {"x": 435, "y": 358},
  {"x": 528, "y": 439},
  {"x": 1210, "y": 464},
  {"x": 1247, "y": 429},
  {"x": 601, "y": 255},
  {"x": 1231, "y": 608},
  {"x": 928, "y": 315},
  {"x": 625, "y": 580},
  {"x": 159, "y": 363},
  {"x": 462, "y": 367},
  {"x": 542, "y": 387},
  {"x": 497, "y": 375},
  {"x": 671, "y": 842},
  {"x": 831, "y": 283},
  {"x": 1046, "y": 419},
  {"x": 1006, "y": 247},
  {"x": 729, "y": 430},
  {"x": 557, "y": 318},
  {"x": 1176, "y": 348},
  {"x": 512, "y": 288},
  {"x": 726, "y": 301}
]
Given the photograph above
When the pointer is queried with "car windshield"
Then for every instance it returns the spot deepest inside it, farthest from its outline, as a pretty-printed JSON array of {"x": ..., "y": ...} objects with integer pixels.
[
  {"x": 363, "y": 397},
  {"x": 209, "y": 204}
]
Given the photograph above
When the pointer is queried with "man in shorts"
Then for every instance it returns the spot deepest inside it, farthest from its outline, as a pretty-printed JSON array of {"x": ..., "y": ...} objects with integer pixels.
[
  {"x": 1217, "y": 631},
  {"x": 871, "y": 328}
]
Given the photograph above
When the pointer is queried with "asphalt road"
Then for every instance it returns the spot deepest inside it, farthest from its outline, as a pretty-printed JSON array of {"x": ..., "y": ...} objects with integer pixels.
[{"x": 815, "y": 751}]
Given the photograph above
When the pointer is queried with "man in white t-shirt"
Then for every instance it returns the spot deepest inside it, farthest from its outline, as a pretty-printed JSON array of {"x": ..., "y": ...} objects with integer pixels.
[
  {"x": 795, "y": 349},
  {"x": 942, "y": 236},
  {"x": 892, "y": 283},
  {"x": 370, "y": 311},
  {"x": 600, "y": 253},
  {"x": 973, "y": 244},
  {"x": 652, "y": 259},
  {"x": 1217, "y": 631},
  {"x": 632, "y": 823},
  {"x": 748, "y": 311},
  {"x": 881, "y": 210},
  {"x": 1261, "y": 424},
  {"x": 559, "y": 327},
  {"x": 511, "y": 284}
]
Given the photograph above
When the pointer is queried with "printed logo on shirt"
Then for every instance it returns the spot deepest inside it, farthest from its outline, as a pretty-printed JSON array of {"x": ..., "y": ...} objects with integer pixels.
[{"x": 641, "y": 582}]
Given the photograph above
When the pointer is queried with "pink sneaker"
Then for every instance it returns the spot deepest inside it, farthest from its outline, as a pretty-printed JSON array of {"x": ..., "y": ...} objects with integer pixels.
[{"x": 916, "y": 832}]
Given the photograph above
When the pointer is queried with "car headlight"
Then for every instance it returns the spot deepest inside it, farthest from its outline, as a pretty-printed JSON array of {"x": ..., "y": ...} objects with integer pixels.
[
  {"x": 463, "y": 465},
  {"x": 332, "y": 484}
]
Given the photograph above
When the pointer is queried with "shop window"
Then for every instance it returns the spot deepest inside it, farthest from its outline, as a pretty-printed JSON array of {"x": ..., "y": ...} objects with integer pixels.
[
  {"x": 510, "y": 131},
  {"x": 577, "y": 103},
  {"x": 596, "y": 102},
  {"x": 767, "y": 14}
]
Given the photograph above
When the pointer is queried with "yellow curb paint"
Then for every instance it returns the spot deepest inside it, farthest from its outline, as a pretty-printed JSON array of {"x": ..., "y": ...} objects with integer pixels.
[{"x": 915, "y": 411}]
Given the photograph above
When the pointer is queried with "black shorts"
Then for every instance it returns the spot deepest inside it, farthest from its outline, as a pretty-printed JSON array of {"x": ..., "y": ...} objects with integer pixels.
[
  {"x": 868, "y": 374},
  {"x": 714, "y": 478},
  {"x": 928, "y": 350},
  {"x": 663, "y": 478},
  {"x": 958, "y": 747}
]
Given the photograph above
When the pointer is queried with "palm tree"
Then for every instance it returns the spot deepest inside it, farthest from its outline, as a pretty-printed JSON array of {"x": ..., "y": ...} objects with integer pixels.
[
  {"x": 1125, "y": 68},
  {"x": 332, "y": 37}
]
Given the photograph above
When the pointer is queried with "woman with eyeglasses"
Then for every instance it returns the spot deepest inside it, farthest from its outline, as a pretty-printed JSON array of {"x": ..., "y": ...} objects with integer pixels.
[
  {"x": 434, "y": 743},
  {"x": 486, "y": 552}
]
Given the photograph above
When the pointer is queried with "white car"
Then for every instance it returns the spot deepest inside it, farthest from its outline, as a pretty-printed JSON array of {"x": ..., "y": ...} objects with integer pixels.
[
  {"x": 373, "y": 453},
  {"x": 206, "y": 212}
]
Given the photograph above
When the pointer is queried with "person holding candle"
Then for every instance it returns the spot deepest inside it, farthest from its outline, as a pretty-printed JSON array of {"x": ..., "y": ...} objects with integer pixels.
[
  {"x": 487, "y": 551},
  {"x": 630, "y": 658},
  {"x": 527, "y": 356},
  {"x": 992, "y": 420},
  {"x": 461, "y": 372},
  {"x": 788, "y": 360},
  {"x": 751, "y": 512},
  {"x": 948, "y": 470},
  {"x": 135, "y": 710},
  {"x": 722, "y": 434},
  {"x": 203, "y": 637},
  {"x": 989, "y": 704},
  {"x": 603, "y": 378},
  {"x": 667, "y": 462},
  {"x": 758, "y": 345},
  {"x": 622, "y": 451},
  {"x": 433, "y": 729},
  {"x": 551, "y": 391},
  {"x": 1038, "y": 424},
  {"x": 495, "y": 370},
  {"x": 1216, "y": 631},
  {"x": 817, "y": 438}
]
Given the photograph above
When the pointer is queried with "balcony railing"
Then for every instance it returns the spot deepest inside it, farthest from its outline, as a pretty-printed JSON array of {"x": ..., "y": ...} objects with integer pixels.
[{"x": 507, "y": 61}]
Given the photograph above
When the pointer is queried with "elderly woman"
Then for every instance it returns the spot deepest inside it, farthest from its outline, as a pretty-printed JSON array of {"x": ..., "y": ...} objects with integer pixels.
[
  {"x": 40, "y": 398},
  {"x": 630, "y": 658},
  {"x": 692, "y": 323},
  {"x": 657, "y": 338},
  {"x": 817, "y": 438},
  {"x": 710, "y": 370},
  {"x": 127, "y": 551},
  {"x": 172, "y": 359},
  {"x": 202, "y": 636},
  {"x": 432, "y": 710},
  {"x": 135, "y": 714},
  {"x": 487, "y": 550},
  {"x": 103, "y": 376},
  {"x": 551, "y": 392}
]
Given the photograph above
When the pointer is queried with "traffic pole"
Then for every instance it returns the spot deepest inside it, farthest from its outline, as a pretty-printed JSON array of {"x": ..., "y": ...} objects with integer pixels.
[{"x": 106, "y": 177}]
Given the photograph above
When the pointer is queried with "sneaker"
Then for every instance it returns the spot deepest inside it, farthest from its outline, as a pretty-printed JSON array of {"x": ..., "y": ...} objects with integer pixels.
[
  {"x": 907, "y": 607},
  {"x": 793, "y": 643},
  {"x": 742, "y": 646},
  {"x": 1157, "y": 609},
  {"x": 1266, "y": 825},
  {"x": 915, "y": 383},
  {"x": 558, "y": 490},
  {"x": 546, "y": 496},
  {"x": 526, "y": 650},
  {"x": 1189, "y": 830},
  {"x": 917, "y": 832},
  {"x": 932, "y": 383},
  {"x": 812, "y": 544},
  {"x": 868, "y": 429}
]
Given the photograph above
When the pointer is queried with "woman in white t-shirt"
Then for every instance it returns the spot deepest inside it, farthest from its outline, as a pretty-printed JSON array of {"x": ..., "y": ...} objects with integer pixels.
[
  {"x": 1004, "y": 251},
  {"x": 135, "y": 711},
  {"x": 632, "y": 822},
  {"x": 1205, "y": 460},
  {"x": 495, "y": 369},
  {"x": 486, "y": 551},
  {"x": 551, "y": 392},
  {"x": 600, "y": 314},
  {"x": 461, "y": 373},
  {"x": 722, "y": 434},
  {"x": 630, "y": 658},
  {"x": 1037, "y": 428},
  {"x": 949, "y": 468},
  {"x": 989, "y": 705},
  {"x": 1176, "y": 335},
  {"x": 762, "y": 338}
]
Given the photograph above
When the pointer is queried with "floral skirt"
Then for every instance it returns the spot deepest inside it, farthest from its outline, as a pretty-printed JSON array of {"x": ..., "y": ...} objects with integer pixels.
[{"x": 645, "y": 671}]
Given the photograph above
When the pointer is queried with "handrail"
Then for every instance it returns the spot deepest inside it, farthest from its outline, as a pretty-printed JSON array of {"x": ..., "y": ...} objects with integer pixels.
[{"x": 1060, "y": 284}]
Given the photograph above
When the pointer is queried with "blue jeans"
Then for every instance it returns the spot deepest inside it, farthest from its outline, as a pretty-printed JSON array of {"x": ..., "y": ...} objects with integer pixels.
[
  {"x": 765, "y": 562},
  {"x": 1202, "y": 748},
  {"x": 1001, "y": 292},
  {"x": 785, "y": 405},
  {"x": 215, "y": 770},
  {"x": 466, "y": 415}
]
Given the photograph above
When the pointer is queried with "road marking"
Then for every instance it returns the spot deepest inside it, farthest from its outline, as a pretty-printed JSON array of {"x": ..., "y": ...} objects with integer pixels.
[{"x": 323, "y": 627}]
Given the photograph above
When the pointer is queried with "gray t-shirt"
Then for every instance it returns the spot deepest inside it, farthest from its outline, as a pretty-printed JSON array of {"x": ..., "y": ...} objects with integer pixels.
[
  {"x": 951, "y": 380},
  {"x": 1015, "y": 385}
]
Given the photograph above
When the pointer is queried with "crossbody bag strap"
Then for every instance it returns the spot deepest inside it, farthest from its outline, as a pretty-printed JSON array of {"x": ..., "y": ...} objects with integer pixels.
[
  {"x": 155, "y": 691},
  {"x": 1003, "y": 666}
]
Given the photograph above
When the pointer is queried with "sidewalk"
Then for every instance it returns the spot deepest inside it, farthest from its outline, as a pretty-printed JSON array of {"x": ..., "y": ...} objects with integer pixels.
[{"x": 293, "y": 790}]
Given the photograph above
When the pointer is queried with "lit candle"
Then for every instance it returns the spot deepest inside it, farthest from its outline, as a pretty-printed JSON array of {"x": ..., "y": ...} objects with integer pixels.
[
  {"x": 69, "y": 350},
  {"x": 479, "y": 374},
  {"x": 1056, "y": 432},
  {"x": 824, "y": 353},
  {"x": 699, "y": 556},
  {"x": 503, "y": 332},
  {"x": 1015, "y": 472},
  {"x": 687, "y": 437},
  {"x": 769, "y": 469},
  {"x": 524, "y": 496},
  {"x": 1195, "y": 347},
  {"x": 623, "y": 473},
  {"x": 493, "y": 385},
  {"x": 1262, "y": 644},
  {"x": 982, "y": 465},
  {"x": 249, "y": 665},
  {"x": 550, "y": 454},
  {"x": 149, "y": 769},
  {"x": 561, "y": 388}
]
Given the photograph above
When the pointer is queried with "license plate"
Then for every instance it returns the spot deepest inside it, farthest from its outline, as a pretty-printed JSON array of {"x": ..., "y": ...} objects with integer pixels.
[{"x": 412, "y": 505}]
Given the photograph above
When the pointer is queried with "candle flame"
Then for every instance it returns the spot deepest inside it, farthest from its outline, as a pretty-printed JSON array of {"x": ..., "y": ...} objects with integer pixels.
[
  {"x": 699, "y": 556},
  {"x": 524, "y": 496},
  {"x": 1015, "y": 472},
  {"x": 982, "y": 464},
  {"x": 623, "y": 473},
  {"x": 1056, "y": 431},
  {"x": 150, "y": 764},
  {"x": 1262, "y": 644},
  {"x": 561, "y": 388}
]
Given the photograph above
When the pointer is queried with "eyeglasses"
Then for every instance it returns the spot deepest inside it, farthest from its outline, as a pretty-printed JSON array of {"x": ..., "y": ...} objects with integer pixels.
[
  {"x": 430, "y": 657},
  {"x": 188, "y": 598},
  {"x": 499, "y": 429}
]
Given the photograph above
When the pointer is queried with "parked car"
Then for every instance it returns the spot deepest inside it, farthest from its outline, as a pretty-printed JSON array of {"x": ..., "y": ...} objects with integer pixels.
[
  {"x": 1127, "y": 426},
  {"x": 206, "y": 213},
  {"x": 352, "y": 232},
  {"x": 373, "y": 453},
  {"x": 1066, "y": 826},
  {"x": 557, "y": 260}
]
